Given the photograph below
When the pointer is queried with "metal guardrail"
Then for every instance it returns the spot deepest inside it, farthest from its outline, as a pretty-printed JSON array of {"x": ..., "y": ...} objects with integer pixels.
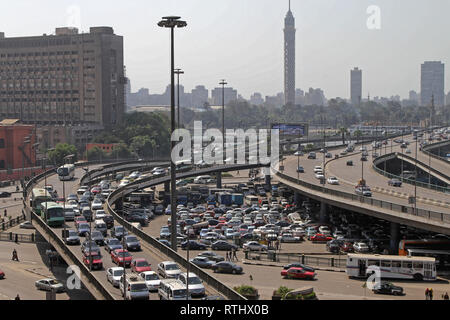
[
  {"x": 11, "y": 223},
  {"x": 56, "y": 241},
  {"x": 18, "y": 238},
  {"x": 432, "y": 215},
  {"x": 314, "y": 261},
  {"x": 385, "y": 157}
]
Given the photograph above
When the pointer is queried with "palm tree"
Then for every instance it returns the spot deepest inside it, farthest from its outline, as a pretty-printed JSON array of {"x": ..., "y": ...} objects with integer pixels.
[
  {"x": 357, "y": 134},
  {"x": 343, "y": 131}
]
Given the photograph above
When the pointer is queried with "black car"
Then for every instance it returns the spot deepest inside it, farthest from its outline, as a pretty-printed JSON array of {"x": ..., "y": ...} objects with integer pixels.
[
  {"x": 388, "y": 288},
  {"x": 212, "y": 256},
  {"x": 159, "y": 210},
  {"x": 112, "y": 244},
  {"x": 118, "y": 232},
  {"x": 363, "y": 158},
  {"x": 109, "y": 220},
  {"x": 5, "y": 194},
  {"x": 227, "y": 267},
  {"x": 97, "y": 236},
  {"x": 223, "y": 245},
  {"x": 134, "y": 217},
  {"x": 89, "y": 246},
  {"x": 202, "y": 262},
  {"x": 350, "y": 163},
  {"x": 132, "y": 243},
  {"x": 300, "y": 169},
  {"x": 334, "y": 246},
  {"x": 298, "y": 265},
  {"x": 394, "y": 182},
  {"x": 165, "y": 242},
  {"x": 193, "y": 245}
]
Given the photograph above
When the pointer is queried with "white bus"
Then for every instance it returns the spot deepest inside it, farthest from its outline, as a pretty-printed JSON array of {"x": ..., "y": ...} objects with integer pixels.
[
  {"x": 251, "y": 200},
  {"x": 396, "y": 267},
  {"x": 66, "y": 172}
]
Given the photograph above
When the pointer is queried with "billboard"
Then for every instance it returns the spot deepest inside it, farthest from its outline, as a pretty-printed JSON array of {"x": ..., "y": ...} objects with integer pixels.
[{"x": 294, "y": 130}]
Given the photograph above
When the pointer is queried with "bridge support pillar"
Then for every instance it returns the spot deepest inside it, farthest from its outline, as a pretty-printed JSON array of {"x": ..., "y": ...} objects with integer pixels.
[
  {"x": 297, "y": 199},
  {"x": 395, "y": 238},
  {"x": 219, "y": 180},
  {"x": 323, "y": 216},
  {"x": 167, "y": 187}
]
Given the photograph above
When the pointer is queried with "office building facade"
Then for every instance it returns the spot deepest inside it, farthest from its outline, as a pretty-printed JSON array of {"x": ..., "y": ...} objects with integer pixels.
[
  {"x": 432, "y": 83},
  {"x": 356, "y": 86}
]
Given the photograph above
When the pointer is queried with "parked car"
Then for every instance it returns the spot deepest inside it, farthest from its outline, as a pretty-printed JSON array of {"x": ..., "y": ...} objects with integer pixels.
[
  {"x": 223, "y": 245},
  {"x": 227, "y": 267},
  {"x": 361, "y": 247},
  {"x": 254, "y": 246},
  {"x": 139, "y": 265},
  {"x": 350, "y": 163},
  {"x": 5, "y": 194},
  {"x": 203, "y": 262},
  {"x": 318, "y": 237},
  {"x": 193, "y": 245},
  {"x": 212, "y": 256},
  {"x": 26, "y": 225},
  {"x": 2, "y": 275}
]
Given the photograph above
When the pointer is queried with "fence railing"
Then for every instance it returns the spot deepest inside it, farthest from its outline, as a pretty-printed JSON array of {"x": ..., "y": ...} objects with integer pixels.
[
  {"x": 432, "y": 215},
  {"x": 313, "y": 261},
  {"x": 426, "y": 149},
  {"x": 17, "y": 237},
  {"x": 11, "y": 223}
]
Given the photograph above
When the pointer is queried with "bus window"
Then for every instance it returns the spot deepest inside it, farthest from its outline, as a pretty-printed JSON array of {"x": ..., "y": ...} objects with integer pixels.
[
  {"x": 396, "y": 264},
  {"x": 418, "y": 265},
  {"x": 406, "y": 265},
  {"x": 386, "y": 263},
  {"x": 373, "y": 263}
]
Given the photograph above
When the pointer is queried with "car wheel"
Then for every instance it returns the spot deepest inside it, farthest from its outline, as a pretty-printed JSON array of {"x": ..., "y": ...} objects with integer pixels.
[
  {"x": 233, "y": 271},
  {"x": 418, "y": 277}
]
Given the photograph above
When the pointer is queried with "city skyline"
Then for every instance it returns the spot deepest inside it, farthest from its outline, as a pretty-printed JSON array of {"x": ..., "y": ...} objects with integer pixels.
[{"x": 334, "y": 38}]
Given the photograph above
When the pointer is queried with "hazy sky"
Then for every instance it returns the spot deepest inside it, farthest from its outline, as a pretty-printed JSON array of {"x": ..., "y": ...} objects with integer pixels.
[{"x": 242, "y": 40}]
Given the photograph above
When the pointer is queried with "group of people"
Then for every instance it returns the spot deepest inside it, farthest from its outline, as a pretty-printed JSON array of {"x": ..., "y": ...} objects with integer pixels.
[{"x": 231, "y": 255}]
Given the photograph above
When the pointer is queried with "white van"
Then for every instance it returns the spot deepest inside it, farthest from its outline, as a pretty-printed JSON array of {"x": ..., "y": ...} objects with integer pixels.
[
  {"x": 202, "y": 179},
  {"x": 172, "y": 289},
  {"x": 251, "y": 200},
  {"x": 136, "y": 288}
]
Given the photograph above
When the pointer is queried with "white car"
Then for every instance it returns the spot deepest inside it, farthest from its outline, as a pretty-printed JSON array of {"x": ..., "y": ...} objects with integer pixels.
[
  {"x": 318, "y": 169},
  {"x": 169, "y": 269},
  {"x": 254, "y": 246},
  {"x": 152, "y": 280},
  {"x": 113, "y": 275},
  {"x": 289, "y": 237},
  {"x": 100, "y": 214},
  {"x": 333, "y": 180},
  {"x": 26, "y": 225},
  {"x": 97, "y": 205},
  {"x": 50, "y": 285},
  {"x": 361, "y": 247},
  {"x": 325, "y": 230},
  {"x": 338, "y": 234},
  {"x": 298, "y": 153},
  {"x": 82, "y": 189},
  {"x": 320, "y": 175},
  {"x": 196, "y": 287}
]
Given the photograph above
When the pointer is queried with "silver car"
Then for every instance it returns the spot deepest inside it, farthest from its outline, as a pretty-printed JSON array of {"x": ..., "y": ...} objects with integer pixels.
[
  {"x": 168, "y": 269},
  {"x": 50, "y": 285},
  {"x": 113, "y": 275}
]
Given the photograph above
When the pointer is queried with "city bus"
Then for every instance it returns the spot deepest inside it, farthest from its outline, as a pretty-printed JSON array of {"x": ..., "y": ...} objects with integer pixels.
[
  {"x": 425, "y": 244},
  {"x": 66, "y": 172},
  {"x": 52, "y": 213},
  {"x": 38, "y": 196},
  {"x": 395, "y": 267},
  {"x": 442, "y": 257},
  {"x": 251, "y": 200}
]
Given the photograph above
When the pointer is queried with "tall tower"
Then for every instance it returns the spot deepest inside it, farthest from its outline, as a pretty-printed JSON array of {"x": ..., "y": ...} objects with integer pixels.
[
  {"x": 356, "y": 86},
  {"x": 289, "y": 57}
]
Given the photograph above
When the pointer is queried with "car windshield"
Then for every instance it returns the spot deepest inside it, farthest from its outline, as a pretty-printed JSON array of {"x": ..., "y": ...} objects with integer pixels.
[
  {"x": 179, "y": 293},
  {"x": 114, "y": 242},
  {"x": 132, "y": 239},
  {"x": 53, "y": 282},
  {"x": 72, "y": 233},
  {"x": 119, "y": 229},
  {"x": 142, "y": 264},
  {"x": 97, "y": 234},
  {"x": 84, "y": 226},
  {"x": 118, "y": 273},
  {"x": 124, "y": 254},
  {"x": 152, "y": 276},
  {"x": 172, "y": 267},
  {"x": 194, "y": 280}
]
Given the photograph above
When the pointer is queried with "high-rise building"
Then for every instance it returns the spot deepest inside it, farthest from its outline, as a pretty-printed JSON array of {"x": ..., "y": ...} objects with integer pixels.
[
  {"x": 289, "y": 57},
  {"x": 199, "y": 96},
  {"x": 229, "y": 95},
  {"x": 256, "y": 99},
  {"x": 356, "y": 86},
  {"x": 432, "y": 83},
  {"x": 63, "y": 79},
  {"x": 447, "y": 99}
]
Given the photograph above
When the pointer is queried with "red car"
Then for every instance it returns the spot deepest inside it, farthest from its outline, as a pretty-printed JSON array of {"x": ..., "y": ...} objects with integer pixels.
[
  {"x": 96, "y": 190},
  {"x": 79, "y": 220},
  {"x": 220, "y": 225},
  {"x": 298, "y": 273},
  {"x": 2, "y": 275},
  {"x": 318, "y": 237},
  {"x": 140, "y": 265},
  {"x": 121, "y": 257},
  {"x": 97, "y": 263},
  {"x": 347, "y": 247}
]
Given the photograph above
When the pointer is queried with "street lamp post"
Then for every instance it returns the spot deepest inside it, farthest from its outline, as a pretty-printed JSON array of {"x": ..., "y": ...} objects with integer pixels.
[
  {"x": 223, "y": 83},
  {"x": 415, "y": 182},
  {"x": 178, "y": 72},
  {"x": 172, "y": 22}
]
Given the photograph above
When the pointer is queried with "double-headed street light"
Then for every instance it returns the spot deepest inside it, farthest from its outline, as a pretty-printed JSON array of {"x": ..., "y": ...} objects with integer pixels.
[
  {"x": 172, "y": 22},
  {"x": 178, "y": 72}
]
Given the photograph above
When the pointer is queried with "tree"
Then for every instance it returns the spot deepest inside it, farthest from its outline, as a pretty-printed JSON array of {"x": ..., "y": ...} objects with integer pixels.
[
  {"x": 62, "y": 150},
  {"x": 343, "y": 132},
  {"x": 358, "y": 135},
  {"x": 96, "y": 154}
]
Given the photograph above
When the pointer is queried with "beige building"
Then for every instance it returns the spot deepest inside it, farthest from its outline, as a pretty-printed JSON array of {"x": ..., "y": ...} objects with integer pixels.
[{"x": 63, "y": 79}]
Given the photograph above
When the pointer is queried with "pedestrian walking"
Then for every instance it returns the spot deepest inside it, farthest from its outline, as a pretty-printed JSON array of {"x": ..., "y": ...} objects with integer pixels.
[
  {"x": 427, "y": 294},
  {"x": 226, "y": 256},
  {"x": 6, "y": 212},
  {"x": 15, "y": 257},
  {"x": 445, "y": 296},
  {"x": 431, "y": 293},
  {"x": 17, "y": 297},
  {"x": 234, "y": 255}
]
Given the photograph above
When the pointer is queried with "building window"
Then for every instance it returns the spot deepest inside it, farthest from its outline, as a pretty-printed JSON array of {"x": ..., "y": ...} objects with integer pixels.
[
  {"x": 2, "y": 143},
  {"x": 2, "y": 164}
]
